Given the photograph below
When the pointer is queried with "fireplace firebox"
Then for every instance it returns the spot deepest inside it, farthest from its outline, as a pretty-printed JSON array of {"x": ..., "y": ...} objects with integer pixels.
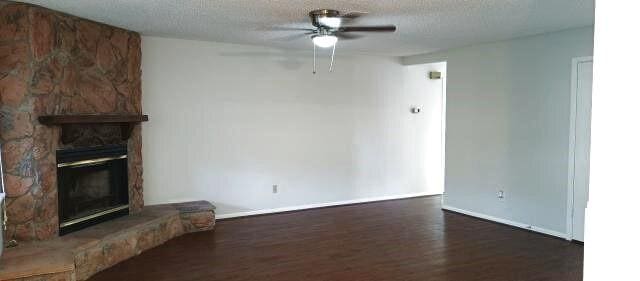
[{"x": 92, "y": 186}]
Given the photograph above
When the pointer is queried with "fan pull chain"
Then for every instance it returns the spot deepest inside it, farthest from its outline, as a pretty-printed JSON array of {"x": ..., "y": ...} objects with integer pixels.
[
  {"x": 314, "y": 58},
  {"x": 333, "y": 54}
]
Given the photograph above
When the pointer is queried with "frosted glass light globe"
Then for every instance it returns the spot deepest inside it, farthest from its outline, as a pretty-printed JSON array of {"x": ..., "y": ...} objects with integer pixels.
[{"x": 325, "y": 41}]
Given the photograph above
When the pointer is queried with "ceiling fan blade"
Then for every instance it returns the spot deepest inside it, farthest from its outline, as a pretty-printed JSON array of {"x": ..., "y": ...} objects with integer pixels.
[
  {"x": 294, "y": 36},
  {"x": 283, "y": 28},
  {"x": 379, "y": 28},
  {"x": 347, "y": 36}
]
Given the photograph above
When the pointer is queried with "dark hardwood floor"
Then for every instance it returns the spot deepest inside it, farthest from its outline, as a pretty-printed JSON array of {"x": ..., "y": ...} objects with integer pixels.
[{"x": 409, "y": 239}]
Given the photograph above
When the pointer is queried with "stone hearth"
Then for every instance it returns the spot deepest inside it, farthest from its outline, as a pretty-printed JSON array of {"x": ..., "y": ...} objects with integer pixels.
[{"x": 81, "y": 254}]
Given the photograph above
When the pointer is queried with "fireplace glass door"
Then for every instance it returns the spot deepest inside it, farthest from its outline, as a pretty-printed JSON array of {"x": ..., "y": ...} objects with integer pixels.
[{"x": 92, "y": 186}]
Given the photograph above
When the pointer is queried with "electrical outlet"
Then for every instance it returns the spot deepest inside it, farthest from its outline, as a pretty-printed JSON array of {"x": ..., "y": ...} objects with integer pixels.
[
  {"x": 501, "y": 194},
  {"x": 275, "y": 188}
]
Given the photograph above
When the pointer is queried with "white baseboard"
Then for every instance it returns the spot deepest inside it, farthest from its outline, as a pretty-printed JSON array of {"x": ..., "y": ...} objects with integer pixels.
[
  {"x": 319, "y": 205},
  {"x": 508, "y": 222}
]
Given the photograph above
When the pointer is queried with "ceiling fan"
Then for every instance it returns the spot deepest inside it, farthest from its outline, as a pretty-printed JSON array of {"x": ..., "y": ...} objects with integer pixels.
[{"x": 331, "y": 25}]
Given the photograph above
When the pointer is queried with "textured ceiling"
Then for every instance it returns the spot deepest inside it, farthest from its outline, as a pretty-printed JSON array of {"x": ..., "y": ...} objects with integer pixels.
[{"x": 423, "y": 25}]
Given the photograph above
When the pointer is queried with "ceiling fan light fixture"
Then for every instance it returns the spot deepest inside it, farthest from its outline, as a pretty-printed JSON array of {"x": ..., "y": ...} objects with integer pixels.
[
  {"x": 332, "y": 22},
  {"x": 325, "y": 41}
]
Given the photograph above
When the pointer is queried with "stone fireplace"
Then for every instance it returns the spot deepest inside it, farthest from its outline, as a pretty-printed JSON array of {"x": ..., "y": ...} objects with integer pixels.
[
  {"x": 70, "y": 109},
  {"x": 57, "y": 64}
]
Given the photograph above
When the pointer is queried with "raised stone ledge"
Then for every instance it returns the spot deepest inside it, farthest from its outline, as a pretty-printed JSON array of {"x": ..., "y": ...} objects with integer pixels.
[
  {"x": 79, "y": 255},
  {"x": 196, "y": 216}
]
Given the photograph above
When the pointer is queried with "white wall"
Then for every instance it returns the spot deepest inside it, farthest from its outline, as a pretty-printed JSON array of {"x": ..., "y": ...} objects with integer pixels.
[
  {"x": 612, "y": 229},
  {"x": 229, "y": 121},
  {"x": 430, "y": 97},
  {"x": 508, "y": 127}
]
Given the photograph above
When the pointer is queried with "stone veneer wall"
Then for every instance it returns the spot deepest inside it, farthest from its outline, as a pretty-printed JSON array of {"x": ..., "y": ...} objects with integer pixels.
[{"x": 53, "y": 63}]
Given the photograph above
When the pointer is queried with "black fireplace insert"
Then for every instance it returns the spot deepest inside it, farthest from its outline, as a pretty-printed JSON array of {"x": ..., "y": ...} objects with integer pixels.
[{"x": 92, "y": 186}]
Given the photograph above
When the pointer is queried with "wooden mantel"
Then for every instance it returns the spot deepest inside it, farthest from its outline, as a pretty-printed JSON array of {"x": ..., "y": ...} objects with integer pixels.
[
  {"x": 125, "y": 121},
  {"x": 91, "y": 119}
]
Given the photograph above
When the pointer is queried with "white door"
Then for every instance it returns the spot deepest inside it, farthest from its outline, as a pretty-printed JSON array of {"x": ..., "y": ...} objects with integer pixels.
[{"x": 582, "y": 147}]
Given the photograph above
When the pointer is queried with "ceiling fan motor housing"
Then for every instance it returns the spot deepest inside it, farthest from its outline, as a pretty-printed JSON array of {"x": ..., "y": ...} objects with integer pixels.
[{"x": 316, "y": 15}]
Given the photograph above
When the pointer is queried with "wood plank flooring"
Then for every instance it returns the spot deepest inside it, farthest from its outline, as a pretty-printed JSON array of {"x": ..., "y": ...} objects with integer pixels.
[{"x": 410, "y": 239}]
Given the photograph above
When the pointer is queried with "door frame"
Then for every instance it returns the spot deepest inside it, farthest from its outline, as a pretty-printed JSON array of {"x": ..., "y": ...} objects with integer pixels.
[
  {"x": 572, "y": 141},
  {"x": 443, "y": 129}
]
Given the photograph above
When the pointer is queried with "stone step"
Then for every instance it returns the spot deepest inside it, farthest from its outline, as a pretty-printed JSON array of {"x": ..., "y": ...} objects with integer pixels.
[{"x": 79, "y": 255}]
